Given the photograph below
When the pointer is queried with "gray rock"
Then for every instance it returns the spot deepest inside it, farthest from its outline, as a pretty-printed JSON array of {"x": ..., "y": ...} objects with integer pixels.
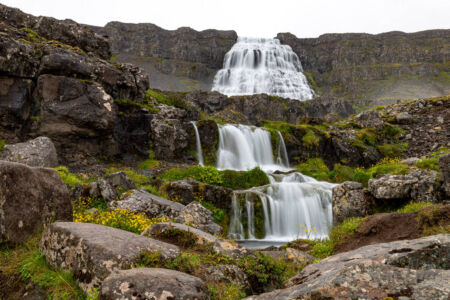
[
  {"x": 298, "y": 256},
  {"x": 94, "y": 251},
  {"x": 227, "y": 274},
  {"x": 141, "y": 201},
  {"x": 29, "y": 199},
  {"x": 369, "y": 119},
  {"x": 39, "y": 152},
  {"x": 444, "y": 169},
  {"x": 102, "y": 189},
  {"x": 151, "y": 284},
  {"x": 414, "y": 268},
  {"x": 404, "y": 118},
  {"x": 199, "y": 217},
  {"x": 417, "y": 184},
  {"x": 411, "y": 161},
  {"x": 349, "y": 200},
  {"x": 120, "y": 180}
]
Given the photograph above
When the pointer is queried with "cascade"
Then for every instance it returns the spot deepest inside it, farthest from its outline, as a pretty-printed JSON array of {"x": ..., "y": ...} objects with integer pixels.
[
  {"x": 199, "y": 144},
  {"x": 290, "y": 204},
  {"x": 258, "y": 65}
]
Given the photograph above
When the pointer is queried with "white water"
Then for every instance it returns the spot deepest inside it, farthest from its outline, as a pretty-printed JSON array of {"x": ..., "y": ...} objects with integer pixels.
[
  {"x": 291, "y": 203},
  {"x": 199, "y": 145},
  {"x": 257, "y": 65}
]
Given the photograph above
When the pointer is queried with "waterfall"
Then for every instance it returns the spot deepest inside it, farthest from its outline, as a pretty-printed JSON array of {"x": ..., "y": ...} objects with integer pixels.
[
  {"x": 199, "y": 144},
  {"x": 290, "y": 204},
  {"x": 257, "y": 65}
]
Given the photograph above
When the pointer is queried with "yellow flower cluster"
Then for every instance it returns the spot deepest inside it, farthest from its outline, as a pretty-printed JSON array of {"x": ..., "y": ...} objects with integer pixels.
[
  {"x": 303, "y": 228},
  {"x": 117, "y": 218}
]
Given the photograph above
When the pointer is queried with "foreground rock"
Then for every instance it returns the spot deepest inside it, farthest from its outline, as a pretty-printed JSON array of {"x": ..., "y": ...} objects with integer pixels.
[
  {"x": 417, "y": 269},
  {"x": 94, "y": 251},
  {"x": 39, "y": 152},
  {"x": 153, "y": 283},
  {"x": 141, "y": 201},
  {"x": 418, "y": 185},
  {"x": 351, "y": 200},
  {"x": 29, "y": 199},
  {"x": 199, "y": 217}
]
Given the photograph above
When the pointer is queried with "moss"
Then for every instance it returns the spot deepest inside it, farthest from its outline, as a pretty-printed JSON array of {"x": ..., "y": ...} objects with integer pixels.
[
  {"x": 125, "y": 104},
  {"x": 175, "y": 99},
  {"x": 181, "y": 238},
  {"x": 225, "y": 291},
  {"x": 220, "y": 216},
  {"x": 113, "y": 58},
  {"x": 149, "y": 164},
  {"x": 414, "y": 206},
  {"x": 32, "y": 36},
  {"x": 71, "y": 179},
  {"x": 314, "y": 167},
  {"x": 313, "y": 83},
  {"x": 2, "y": 144},
  {"x": 36, "y": 119},
  {"x": 392, "y": 150},
  {"x": 310, "y": 140},
  {"x": 139, "y": 179}
]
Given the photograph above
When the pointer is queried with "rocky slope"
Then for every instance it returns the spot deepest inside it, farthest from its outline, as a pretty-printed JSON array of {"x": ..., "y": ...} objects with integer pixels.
[{"x": 182, "y": 59}]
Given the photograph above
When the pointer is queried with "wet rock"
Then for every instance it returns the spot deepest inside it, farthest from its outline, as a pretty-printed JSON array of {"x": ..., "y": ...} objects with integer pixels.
[
  {"x": 349, "y": 200},
  {"x": 29, "y": 199},
  {"x": 369, "y": 119},
  {"x": 141, "y": 201},
  {"x": 444, "y": 169},
  {"x": 120, "y": 180},
  {"x": 199, "y": 217},
  {"x": 152, "y": 283},
  {"x": 39, "y": 152},
  {"x": 414, "y": 268},
  {"x": 417, "y": 185},
  {"x": 94, "y": 251}
]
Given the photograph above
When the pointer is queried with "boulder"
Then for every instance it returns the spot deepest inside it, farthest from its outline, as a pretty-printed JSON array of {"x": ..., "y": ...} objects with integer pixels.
[
  {"x": 94, "y": 251},
  {"x": 404, "y": 118},
  {"x": 417, "y": 269},
  {"x": 298, "y": 256},
  {"x": 369, "y": 119},
  {"x": 444, "y": 169},
  {"x": 120, "y": 180},
  {"x": 350, "y": 199},
  {"x": 418, "y": 185},
  {"x": 152, "y": 283},
  {"x": 29, "y": 199},
  {"x": 141, "y": 201},
  {"x": 227, "y": 274},
  {"x": 199, "y": 217},
  {"x": 169, "y": 137},
  {"x": 39, "y": 152},
  {"x": 101, "y": 188},
  {"x": 411, "y": 161}
]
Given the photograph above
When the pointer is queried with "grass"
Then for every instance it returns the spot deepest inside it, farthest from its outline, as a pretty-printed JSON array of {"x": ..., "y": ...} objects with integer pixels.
[
  {"x": 72, "y": 179},
  {"x": 149, "y": 164},
  {"x": 139, "y": 179},
  {"x": 392, "y": 150},
  {"x": 227, "y": 178},
  {"x": 127, "y": 103},
  {"x": 29, "y": 264},
  {"x": 2, "y": 144},
  {"x": 223, "y": 290},
  {"x": 175, "y": 99},
  {"x": 414, "y": 206}
]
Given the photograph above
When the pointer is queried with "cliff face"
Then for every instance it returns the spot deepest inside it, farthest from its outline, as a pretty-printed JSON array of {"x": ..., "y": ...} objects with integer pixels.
[
  {"x": 182, "y": 59},
  {"x": 387, "y": 66}
]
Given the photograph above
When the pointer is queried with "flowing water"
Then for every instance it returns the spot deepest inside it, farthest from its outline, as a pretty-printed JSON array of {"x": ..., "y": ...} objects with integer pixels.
[
  {"x": 292, "y": 206},
  {"x": 258, "y": 65},
  {"x": 199, "y": 144}
]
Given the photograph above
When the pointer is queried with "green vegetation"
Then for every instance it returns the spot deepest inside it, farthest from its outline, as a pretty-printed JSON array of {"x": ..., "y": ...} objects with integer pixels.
[
  {"x": 27, "y": 264},
  {"x": 310, "y": 140},
  {"x": 139, "y": 179},
  {"x": 228, "y": 291},
  {"x": 313, "y": 83},
  {"x": 125, "y": 104},
  {"x": 72, "y": 179},
  {"x": 392, "y": 150},
  {"x": 149, "y": 164},
  {"x": 175, "y": 99},
  {"x": 210, "y": 175},
  {"x": 414, "y": 206},
  {"x": 2, "y": 144},
  {"x": 113, "y": 58},
  {"x": 432, "y": 161}
]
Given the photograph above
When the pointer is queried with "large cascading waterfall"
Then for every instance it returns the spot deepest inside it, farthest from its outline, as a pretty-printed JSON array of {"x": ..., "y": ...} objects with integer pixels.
[
  {"x": 292, "y": 205},
  {"x": 258, "y": 65}
]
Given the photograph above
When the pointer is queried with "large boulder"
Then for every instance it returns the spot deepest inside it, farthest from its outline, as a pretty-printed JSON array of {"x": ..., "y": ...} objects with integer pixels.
[
  {"x": 199, "y": 217},
  {"x": 29, "y": 199},
  {"x": 39, "y": 152},
  {"x": 350, "y": 199},
  {"x": 369, "y": 119},
  {"x": 417, "y": 269},
  {"x": 141, "y": 201},
  {"x": 153, "y": 283},
  {"x": 418, "y": 185},
  {"x": 444, "y": 168},
  {"x": 227, "y": 274},
  {"x": 120, "y": 180},
  {"x": 94, "y": 251}
]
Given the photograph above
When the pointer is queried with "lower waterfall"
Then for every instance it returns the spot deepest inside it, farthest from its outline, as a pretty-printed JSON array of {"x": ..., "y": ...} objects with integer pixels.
[
  {"x": 198, "y": 144},
  {"x": 291, "y": 206}
]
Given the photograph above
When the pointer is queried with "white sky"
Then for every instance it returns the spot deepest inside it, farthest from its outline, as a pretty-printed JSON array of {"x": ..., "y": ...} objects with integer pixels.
[{"x": 258, "y": 18}]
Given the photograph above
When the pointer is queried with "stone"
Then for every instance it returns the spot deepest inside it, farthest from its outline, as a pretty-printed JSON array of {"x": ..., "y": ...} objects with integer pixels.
[
  {"x": 369, "y": 119},
  {"x": 349, "y": 200},
  {"x": 227, "y": 274},
  {"x": 120, "y": 180},
  {"x": 417, "y": 184},
  {"x": 411, "y": 161},
  {"x": 199, "y": 217},
  {"x": 414, "y": 268},
  {"x": 152, "y": 283},
  {"x": 30, "y": 198},
  {"x": 39, "y": 152},
  {"x": 170, "y": 138},
  {"x": 404, "y": 118},
  {"x": 444, "y": 169},
  {"x": 297, "y": 256},
  {"x": 141, "y": 201},
  {"x": 95, "y": 251}
]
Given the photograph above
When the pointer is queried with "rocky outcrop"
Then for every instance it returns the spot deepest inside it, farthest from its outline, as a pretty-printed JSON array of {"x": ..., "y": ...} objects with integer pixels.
[
  {"x": 30, "y": 198},
  {"x": 192, "y": 55},
  {"x": 227, "y": 274},
  {"x": 199, "y": 217},
  {"x": 444, "y": 169},
  {"x": 418, "y": 185},
  {"x": 369, "y": 119},
  {"x": 202, "y": 238},
  {"x": 350, "y": 200},
  {"x": 152, "y": 283},
  {"x": 392, "y": 65},
  {"x": 415, "y": 268},
  {"x": 141, "y": 201},
  {"x": 94, "y": 251},
  {"x": 120, "y": 180},
  {"x": 39, "y": 152}
]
